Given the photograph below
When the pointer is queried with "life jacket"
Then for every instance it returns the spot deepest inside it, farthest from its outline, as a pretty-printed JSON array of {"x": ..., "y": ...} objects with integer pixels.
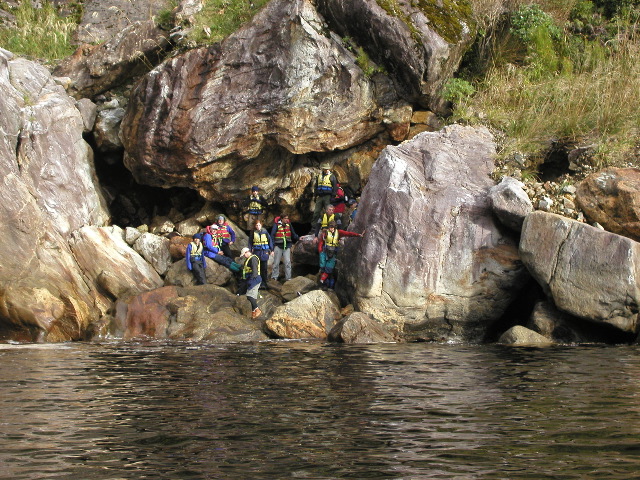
[
  {"x": 215, "y": 240},
  {"x": 255, "y": 207},
  {"x": 196, "y": 251},
  {"x": 283, "y": 234},
  {"x": 332, "y": 239},
  {"x": 324, "y": 185},
  {"x": 246, "y": 268},
  {"x": 325, "y": 220},
  {"x": 260, "y": 240},
  {"x": 223, "y": 232}
]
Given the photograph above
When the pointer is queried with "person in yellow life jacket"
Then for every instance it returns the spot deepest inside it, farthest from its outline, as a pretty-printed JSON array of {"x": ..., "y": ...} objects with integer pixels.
[
  {"x": 323, "y": 221},
  {"x": 255, "y": 207},
  {"x": 251, "y": 279},
  {"x": 284, "y": 236},
  {"x": 261, "y": 245},
  {"x": 326, "y": 187},
  {"x": 195, "y": 259},
  {"x": 328, "y": 247}
]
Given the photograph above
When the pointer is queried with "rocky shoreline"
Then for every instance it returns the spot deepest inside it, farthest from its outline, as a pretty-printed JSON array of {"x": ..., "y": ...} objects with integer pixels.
[{"x": 449, "y": 253}]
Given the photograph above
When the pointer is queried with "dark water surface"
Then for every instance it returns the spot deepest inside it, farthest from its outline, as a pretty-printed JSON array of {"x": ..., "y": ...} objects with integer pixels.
[{"x": 310, "y": 410}]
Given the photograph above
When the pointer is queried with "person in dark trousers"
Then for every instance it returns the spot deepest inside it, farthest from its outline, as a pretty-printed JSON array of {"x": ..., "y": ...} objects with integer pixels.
[
  {"x": 251, "y": 280},
  {"x": 255, "y": 205},
  {"x": 195, "y": 259},
  {"x": 328, "y": 246},
  {"x": 284, "y": 236},
  {"x": 226, "y": 236},
  {"x": 326, "y": 188},
  {"x": 323, "y": 222},
  {"x": 261, "y": 245}
]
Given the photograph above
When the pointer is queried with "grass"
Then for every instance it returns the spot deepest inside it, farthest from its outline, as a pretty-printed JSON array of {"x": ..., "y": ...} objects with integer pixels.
[
  {"x": 586, "y": 94},
  {"x": 40, "y": 33},
  {"x": 220, "y": 18}
]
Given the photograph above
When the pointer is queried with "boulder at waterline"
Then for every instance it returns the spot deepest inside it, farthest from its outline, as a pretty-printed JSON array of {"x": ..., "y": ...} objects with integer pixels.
[
  {"x": 434, "y": 261},
  {"x": 359, "y": 327},
  {"x": 522, "y": 336},
  {"x": 587, "y": 272}
]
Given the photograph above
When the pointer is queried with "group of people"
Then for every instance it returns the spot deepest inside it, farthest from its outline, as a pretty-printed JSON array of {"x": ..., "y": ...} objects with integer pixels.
[{"x": 217, "y": 239}]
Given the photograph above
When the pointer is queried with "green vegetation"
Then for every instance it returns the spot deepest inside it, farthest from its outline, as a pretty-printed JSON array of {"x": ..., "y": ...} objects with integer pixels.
[
  {"x": 220, "y": 18},
  {"x": 39, "y": 32},
  {"x": 563, "y": 71}
]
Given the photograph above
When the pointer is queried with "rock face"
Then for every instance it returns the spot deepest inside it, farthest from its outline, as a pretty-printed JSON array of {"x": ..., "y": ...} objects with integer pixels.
[
  {"x": 222, "y": 118},
  {"x": 420, "y": 43},
  {"x": 588, "y": 272},
  {"x": 94, "y": 69},
  {"x": 312, "y": 315},
  {"x": 611, "y": 197},
  {"x": 433, "y": 259},
  {"x": 45, "y": 166},
  {"x": 358, "y": 327}
]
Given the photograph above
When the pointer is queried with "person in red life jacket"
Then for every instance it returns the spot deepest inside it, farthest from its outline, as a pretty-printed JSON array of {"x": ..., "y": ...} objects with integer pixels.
[
  {"x": 226, "y": 236},
  {"x": 211, "y": 241},
  {"x": 195, "y": 259},
  {"x": 255, "y": 205},
  {"x": 251, "y": 280},
  {"x": 325, "y": 189},
  {"x": 339, "y": 201},
  {"x": 284, "y": 236},
  {"x": 261, "y": 245},
  {"x": 323, "y": 222},
  {"x": 328, "y": 246}
]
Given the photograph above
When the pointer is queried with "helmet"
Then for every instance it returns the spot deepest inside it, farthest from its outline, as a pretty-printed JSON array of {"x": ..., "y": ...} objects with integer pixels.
[
  {"x": 243, "y": 251},
  {"x": 255, "y": 188},
  {"x": 220, "y": 217},
  {"x": 325, "y": 166},
  {"x": 198, "y": 236}
]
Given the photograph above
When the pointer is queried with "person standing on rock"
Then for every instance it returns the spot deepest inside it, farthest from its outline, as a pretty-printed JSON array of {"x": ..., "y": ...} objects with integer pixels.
[
  {"x": 261, "y": 245},
  {"x": 326, "y": 188},
  {"x": 251, "y": 279},
  {"x": 284, "y": 236},
  {"x": 195, "y": 259},
  {"x": 328, "y": 248},
  {"x": 256, "y": 205},
  {"x": 226, "y": 235}
]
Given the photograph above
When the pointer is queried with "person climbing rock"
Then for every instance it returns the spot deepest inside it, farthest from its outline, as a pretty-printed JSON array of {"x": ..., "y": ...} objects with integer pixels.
[
  {"x": 251, "y": 279},
  {"x": 284, "y": 236},
  {"x": 328, "y": 246},
  {"x": 195, "y": 259}
]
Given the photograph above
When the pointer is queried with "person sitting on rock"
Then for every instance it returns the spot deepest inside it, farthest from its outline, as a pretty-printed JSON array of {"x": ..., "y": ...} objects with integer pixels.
[
  {"x": 328, "y": 216},
  {"x": 328, "y": 248},
  {"x": 261, "y": 245},
  {"x": 326, "y": 187},
  {"x": 284, "y": 236},
  {"x": 251, "y": 280},
  {"x": 255, "y": 205},
  {"x": 211, "y": 242},
  {"x": 195, "y": 259},
  {"x": 226, "y": 236}
]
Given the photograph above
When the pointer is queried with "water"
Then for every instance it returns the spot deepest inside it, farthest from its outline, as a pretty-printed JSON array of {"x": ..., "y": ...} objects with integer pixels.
[{"x": 323, "y": 411}]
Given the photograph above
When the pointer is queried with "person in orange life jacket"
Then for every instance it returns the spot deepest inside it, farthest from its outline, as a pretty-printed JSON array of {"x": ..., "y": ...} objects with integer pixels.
[
  {"x": 328, "y": 249},
  {"x": 226, "y": 236},
  {"x": 325, "y": 189},
  {"x": 261, "y": 245},
  {"x": 284, "y": 237},
  {"x": 251, "y": 279},
  {"x": 212, "y": 249},
  {"x": 323, "y": 221},
  {"x": 195, "y": 259},
  {"x": 255, "y": 206},
  {"x": 338, "y": 201}
]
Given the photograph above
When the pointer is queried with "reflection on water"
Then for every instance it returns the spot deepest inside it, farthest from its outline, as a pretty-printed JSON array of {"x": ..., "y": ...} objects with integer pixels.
[{"x": 321, "y": 411}]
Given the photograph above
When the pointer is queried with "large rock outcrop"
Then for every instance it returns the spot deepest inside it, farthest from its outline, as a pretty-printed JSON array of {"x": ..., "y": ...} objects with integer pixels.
[
  {"x": 420, "y": 43},
  {"x": 611, "y": 197},
  {"x": 587, "y": 272},
  {"x": 433, "y": 261},
  {"x": 219, "y": 119},
  {"x": 48, "y": 190}
]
